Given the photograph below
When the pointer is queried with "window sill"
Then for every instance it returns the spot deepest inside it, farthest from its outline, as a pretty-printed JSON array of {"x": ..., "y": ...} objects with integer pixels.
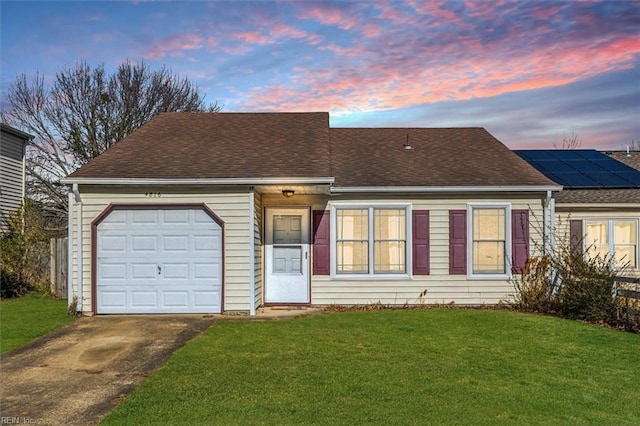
[
  {"x": 487, "y": 277},
  {"x": 377, "y": 277}
]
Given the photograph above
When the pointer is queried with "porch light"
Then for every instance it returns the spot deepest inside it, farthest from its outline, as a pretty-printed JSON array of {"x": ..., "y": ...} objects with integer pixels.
[{"x": 288, "y": 192}]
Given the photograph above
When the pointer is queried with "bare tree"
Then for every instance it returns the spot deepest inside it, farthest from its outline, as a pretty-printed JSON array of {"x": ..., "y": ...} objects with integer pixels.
[
  {"x": 85, "y": 111},
  {"x": 571, "y": 141}
]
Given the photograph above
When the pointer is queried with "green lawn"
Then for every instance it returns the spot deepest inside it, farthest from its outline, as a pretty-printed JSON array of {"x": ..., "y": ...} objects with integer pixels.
[
  {"x": 396, "y": 367},
  {"x": 27, "y": 317}
]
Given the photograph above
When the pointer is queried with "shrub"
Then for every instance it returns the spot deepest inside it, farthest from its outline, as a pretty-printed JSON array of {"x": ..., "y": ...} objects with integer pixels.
[
  {"x": 12, "y": 286},
  {"x": 569, "y": 283},
  {"x": 24, "y": 252}
]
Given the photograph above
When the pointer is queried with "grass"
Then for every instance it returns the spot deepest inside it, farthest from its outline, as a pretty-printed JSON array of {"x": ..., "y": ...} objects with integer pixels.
[
  {"x": 395, "y": 367},
  {"x": 27, "y": 317}
]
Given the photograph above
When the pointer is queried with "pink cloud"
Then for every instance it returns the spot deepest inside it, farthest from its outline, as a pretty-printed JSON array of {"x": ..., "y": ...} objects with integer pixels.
[
  {"x": 175, "y": 45},
  {"x": 360, "y": 81},
  {"x": 329, "y": 16}
]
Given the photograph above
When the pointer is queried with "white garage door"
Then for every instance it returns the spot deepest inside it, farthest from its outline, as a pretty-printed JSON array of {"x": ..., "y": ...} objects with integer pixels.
[{"x": 159, "y": 261}]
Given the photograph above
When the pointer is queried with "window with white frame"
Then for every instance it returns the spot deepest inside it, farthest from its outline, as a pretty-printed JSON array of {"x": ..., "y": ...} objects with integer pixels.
[
  {"x": 490, "y": 247},
  {"x": 613, "y": 238},
  {"x": 371, "y": 240}
]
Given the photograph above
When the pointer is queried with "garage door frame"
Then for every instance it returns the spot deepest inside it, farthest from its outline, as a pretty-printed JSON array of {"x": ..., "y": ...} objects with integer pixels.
[{"x": 117, "y": 206}]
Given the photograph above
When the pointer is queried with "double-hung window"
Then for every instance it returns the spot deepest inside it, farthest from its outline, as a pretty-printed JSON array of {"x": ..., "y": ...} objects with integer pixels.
[
  {"x": 371, "y": 240},
  {"x": 613, "y": 238},
  {"x": 489, "y": 231}
]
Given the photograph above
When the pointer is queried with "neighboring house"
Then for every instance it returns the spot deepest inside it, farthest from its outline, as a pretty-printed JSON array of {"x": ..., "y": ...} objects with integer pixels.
[
  {"x": 12, "y": 170},
  {"x": 223, "y": 212},
  {"x": 599, "y": 206},
  {"x": 630, "y": 158}
]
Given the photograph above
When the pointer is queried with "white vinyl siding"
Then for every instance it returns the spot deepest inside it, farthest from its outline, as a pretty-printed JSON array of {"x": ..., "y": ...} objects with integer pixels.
[
  {"x": 232, "y": 208},
  {"x": 439, "y": 285}
]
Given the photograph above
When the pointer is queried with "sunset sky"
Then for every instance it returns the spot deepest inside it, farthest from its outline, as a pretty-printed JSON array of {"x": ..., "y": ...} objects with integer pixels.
[{"x": 527, "y": 71}]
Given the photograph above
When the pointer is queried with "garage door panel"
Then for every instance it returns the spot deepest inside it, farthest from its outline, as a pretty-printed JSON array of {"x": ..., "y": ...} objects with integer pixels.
[
  {"x": 146, "y": 299},
  {"x": 159, "y": 261},
  {"x": 176, "y": 216},
  {"x": 113, "y": 271},
  {"x": 146, "y": 217},
  {"x": 144, "y": 271},
  {"x": 175, "y": 271},
  {"x": 175, "y": 243},
  {"x": 174, "y": 299},
  {"x": 113, "y": 243},
  {"x": 205, "y": 298},
  {"x": 114, "y": 299},
  {"x": 144, "y": 243}
]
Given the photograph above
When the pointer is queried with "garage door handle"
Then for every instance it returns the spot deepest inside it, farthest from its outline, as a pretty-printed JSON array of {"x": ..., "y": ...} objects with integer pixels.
[{"x": 159, "y": 269}]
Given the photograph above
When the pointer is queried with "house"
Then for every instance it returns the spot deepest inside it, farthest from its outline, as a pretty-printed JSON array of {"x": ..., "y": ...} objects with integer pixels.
[
  {"x": 629, "y": 157},
  {"x": 599, "y": 206},
  {"x": 12, "y": 170},
  {"x": 228, "y": 212}
]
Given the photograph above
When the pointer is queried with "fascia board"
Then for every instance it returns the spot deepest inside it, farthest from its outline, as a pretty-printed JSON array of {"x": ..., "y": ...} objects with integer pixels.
[
  {"x": 223, "y": 181},
  {"x": 442, "y": 189}
]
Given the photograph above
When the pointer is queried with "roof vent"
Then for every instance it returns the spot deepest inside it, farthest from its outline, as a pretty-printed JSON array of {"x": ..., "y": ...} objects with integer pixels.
[{"x": 407, "y": 145}]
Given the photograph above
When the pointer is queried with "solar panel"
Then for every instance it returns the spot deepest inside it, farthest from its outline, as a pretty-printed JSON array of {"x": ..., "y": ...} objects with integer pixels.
[
  {"x": 582, "y": 168},
  {"x": 608, "y": 180},
  {"x": 576, "y": 180}
]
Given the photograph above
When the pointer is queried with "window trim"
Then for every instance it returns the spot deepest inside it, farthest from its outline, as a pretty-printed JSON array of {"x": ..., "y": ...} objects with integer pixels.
[
  {"x": 610, "y": 221},
  {"x": 371, "y": 275},
  {"x": 507, "y": 241}
]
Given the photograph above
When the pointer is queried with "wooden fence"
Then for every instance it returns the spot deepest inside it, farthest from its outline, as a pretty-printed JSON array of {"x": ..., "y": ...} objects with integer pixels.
[{"x": 58, "y": 267}]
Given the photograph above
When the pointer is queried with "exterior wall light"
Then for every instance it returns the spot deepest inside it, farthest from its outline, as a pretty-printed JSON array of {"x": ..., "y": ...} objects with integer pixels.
[{"x": 288, "y": 192}]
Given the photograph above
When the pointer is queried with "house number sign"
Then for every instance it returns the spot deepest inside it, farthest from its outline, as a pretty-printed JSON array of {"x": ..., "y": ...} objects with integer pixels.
[{"x": 153, "y": 194}]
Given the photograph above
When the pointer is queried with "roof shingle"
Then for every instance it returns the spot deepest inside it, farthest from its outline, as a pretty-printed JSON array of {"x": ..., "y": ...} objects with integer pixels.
[{"x": 281, "y": 145}]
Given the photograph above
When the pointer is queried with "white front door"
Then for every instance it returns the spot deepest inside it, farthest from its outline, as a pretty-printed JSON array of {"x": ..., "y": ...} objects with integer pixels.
[{"x": 287, "y": 255}]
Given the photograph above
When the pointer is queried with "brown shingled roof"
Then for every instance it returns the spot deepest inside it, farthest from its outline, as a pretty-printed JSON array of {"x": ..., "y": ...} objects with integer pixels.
[
  {"x": 599, "y": 196},
  {"x": 440, "y": 157},
  {"x": 280, "y": 145},
  {"x": 219, "y": 145}
]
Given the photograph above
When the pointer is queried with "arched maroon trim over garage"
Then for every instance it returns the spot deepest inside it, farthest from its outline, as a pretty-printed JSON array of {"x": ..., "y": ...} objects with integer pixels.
[{"x": 112, "y": 207}]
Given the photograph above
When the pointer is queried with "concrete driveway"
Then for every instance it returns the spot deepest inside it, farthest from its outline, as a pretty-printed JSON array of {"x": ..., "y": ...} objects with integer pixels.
[{"x": 80, "y": 372}]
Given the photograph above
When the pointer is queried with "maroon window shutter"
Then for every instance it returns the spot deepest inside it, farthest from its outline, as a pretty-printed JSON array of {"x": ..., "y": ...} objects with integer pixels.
[
  {"x": 321, "y": 243},
  {"x": 576, "y": 235},
  {"x": 519, "y": 239},
  {"x": 420, "y": 242},
  {"x": 457, "y": 242}
]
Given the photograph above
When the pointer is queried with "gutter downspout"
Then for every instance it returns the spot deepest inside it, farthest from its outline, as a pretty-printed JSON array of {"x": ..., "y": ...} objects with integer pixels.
[
  {"x": 76, "y": 193},
  {"x": 252, "y": 253},
  {"x": 70, "y": 250},
  {"x": 546, "y": 224},
  {"x": 552, "y": 212}
]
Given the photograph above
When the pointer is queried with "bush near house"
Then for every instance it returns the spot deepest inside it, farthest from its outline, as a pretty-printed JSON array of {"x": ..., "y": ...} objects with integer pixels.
[
  {"x": 571, "y": 284},
  {"x": 24, "y": 253}
]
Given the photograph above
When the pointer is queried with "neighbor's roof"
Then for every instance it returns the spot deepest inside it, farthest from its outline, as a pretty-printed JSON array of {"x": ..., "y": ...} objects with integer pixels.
[
  {"x": 599, "y": 196},
  {"x": 272, "y": 145},
  {"x": 16, "y": 132},
  {"x": 582, "y": 168},
  {"x": 631, "y": 158}
]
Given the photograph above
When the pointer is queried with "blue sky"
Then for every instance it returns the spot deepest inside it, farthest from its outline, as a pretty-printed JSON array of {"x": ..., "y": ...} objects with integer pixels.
[{"x": 528, "y": 71}]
